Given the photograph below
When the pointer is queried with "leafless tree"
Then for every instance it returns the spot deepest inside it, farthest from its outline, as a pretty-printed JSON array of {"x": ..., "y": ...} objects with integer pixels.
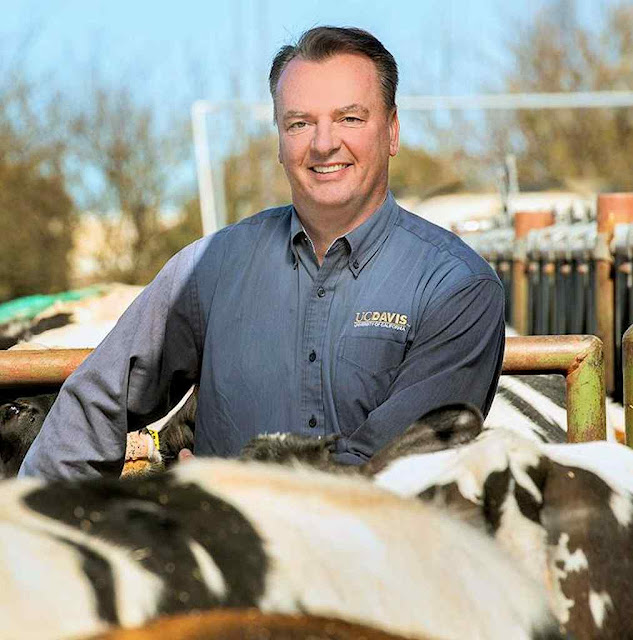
[
  {"x": 130, "y": 155},
  {"x": 590, "y": 147}
]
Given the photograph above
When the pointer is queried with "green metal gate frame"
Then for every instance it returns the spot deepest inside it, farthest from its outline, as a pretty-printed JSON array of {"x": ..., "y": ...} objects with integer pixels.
[{"x": 580, "y": 359}]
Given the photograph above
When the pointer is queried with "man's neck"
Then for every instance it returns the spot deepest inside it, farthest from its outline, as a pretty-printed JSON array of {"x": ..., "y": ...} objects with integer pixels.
[{"x": 324, "y": 225}]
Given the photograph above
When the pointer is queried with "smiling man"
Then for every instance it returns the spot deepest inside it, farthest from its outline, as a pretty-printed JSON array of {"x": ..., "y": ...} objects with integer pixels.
[
  {"x": 339, "y": 314},
  {"x": 336, "y": 134}
]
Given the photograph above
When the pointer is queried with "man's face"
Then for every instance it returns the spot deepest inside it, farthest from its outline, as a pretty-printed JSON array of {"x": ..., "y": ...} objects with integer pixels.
[{"x": 335, "y": 134}]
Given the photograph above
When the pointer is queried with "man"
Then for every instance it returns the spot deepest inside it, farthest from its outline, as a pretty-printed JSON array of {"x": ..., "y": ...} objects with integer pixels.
[{"x": 341, "y": 313}]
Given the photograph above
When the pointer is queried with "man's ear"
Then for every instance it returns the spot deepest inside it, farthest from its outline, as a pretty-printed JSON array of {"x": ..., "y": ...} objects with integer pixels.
[{"x": 394, "y": 132}]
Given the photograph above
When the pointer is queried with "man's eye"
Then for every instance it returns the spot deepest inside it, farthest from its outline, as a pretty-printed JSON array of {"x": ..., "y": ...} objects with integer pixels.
[
  {"x": 297, "y": 125},
  {"x": 352, "y": 119}
]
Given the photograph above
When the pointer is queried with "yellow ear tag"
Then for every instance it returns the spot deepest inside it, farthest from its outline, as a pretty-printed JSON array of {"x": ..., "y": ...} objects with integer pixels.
[{"x": 155, "y": 438}]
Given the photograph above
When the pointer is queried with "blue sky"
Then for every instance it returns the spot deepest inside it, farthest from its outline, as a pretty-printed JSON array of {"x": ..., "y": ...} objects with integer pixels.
[{"x": 448, "y": 46}]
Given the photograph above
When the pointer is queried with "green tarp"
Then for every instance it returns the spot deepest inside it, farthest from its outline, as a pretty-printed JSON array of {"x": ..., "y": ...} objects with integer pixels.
[{"x": 29, "y": 306}]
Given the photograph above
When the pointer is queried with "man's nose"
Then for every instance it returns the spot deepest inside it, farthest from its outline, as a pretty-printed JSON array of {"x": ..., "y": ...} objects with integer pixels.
[{"x": 325, "y": 139}]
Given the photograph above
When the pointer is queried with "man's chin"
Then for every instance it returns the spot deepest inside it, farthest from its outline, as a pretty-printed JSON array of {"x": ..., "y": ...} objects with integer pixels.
[{"x": 329, "y": 198}]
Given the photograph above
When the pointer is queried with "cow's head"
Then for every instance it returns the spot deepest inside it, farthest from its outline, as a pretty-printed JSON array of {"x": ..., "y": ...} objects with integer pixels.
[
  {"x": 438, "y": 430},
  {"x": 20, "y": 422},
  {"x": 288, "y": 448}
]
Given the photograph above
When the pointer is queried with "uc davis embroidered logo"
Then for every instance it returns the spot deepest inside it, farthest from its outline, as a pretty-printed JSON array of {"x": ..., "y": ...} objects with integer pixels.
[{"x": 385, "y": 319}]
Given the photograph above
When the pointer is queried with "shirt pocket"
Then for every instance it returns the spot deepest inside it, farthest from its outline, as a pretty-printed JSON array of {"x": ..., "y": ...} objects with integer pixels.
[{"x": 365, "y": 368}]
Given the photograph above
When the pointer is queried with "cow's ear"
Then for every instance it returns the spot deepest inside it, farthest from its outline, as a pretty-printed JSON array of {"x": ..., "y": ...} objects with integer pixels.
[
  {"x": 452, "y": 425},
  {"x": 440, "y": 429}
]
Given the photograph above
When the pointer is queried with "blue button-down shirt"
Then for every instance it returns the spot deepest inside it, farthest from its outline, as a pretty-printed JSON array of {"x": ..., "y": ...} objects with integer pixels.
[{"x": 401, "y": 317}]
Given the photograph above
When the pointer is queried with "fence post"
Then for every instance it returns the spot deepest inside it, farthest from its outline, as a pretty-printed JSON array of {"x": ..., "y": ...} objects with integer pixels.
[
  {"x": 627, "y": 370},
  {"x": 580, "y": 360},
  {"x": 524, "y": 221},
  {"x": 613, "y": 208}
]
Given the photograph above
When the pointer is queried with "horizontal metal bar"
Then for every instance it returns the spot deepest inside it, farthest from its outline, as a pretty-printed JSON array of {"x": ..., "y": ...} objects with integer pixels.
[
  {"x": 485, "y": 101},
  {"x": 32, "y": 368},
  {"x": 578, "y": 358},
  {"x": 513, "y": 101}
]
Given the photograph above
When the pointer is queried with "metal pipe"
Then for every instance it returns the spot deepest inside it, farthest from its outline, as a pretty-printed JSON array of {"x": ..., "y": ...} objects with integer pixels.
[
  {"x": 627, "y": 370},
  {"x": 519, "y": 295},
  {"x": 612, "y": 209},
  {"x": 580, "y": 360},
  {"x": 619, "y": 323},
  {"x": 524, "y": 221},
  {"x": 32, "y": 368},
  {"x": 511, "y": 101}
]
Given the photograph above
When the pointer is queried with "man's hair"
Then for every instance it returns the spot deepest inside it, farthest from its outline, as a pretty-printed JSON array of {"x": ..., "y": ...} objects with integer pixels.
[{"x": 324, "y": 42}]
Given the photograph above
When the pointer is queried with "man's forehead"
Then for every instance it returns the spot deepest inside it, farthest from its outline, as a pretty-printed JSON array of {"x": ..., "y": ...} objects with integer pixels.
[{"x": 341, "y": 81}]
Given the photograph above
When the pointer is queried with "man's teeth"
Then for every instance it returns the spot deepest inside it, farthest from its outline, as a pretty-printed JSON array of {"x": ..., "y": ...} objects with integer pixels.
[{"x": 330, "y": 169}]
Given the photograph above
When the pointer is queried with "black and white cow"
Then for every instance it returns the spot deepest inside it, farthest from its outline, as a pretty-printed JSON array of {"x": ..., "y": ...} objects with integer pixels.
[
  {"x": 564, "y": 511},
  {"x": 79, "y": 558}
]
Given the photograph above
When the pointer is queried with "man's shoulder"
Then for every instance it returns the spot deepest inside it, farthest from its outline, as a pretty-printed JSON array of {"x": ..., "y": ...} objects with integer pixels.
[
  {"x": 444, "y": 245},
  {"x": 272, "y": 215},
  {"x": 236, "y": 237}
]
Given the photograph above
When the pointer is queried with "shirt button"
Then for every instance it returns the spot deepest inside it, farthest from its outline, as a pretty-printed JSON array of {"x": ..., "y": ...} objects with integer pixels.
[
  {"x": 312, "y": 422},
  {"x": 312, "y": 356},
  {"x": 320, "y": 292},
  {"x": 355, "y": 264}
]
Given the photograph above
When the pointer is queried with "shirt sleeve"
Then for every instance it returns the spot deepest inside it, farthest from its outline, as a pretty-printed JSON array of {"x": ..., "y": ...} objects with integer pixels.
[
  {"x": 139, "y": 371},
  {"x": 456, "y": 356}
]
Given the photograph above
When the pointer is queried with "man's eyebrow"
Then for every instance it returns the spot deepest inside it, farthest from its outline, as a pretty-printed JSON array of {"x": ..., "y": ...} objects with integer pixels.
[
  {"x": 295, "y": 114},
  {"x": 350, "y": 108},
  {"x": 356, "y": 108}
]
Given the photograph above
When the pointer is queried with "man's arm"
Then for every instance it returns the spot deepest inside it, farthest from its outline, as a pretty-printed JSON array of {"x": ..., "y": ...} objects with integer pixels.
[
  {"x": 139, "y": 371},
  {"x": 456, "y": 356}
]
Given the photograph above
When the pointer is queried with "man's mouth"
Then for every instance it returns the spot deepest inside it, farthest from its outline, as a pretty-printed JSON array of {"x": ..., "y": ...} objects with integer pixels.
[{"x": 329, "y": 168}]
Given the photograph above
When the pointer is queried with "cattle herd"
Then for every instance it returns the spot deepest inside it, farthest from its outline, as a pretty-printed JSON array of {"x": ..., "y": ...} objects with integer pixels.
[{"x": 454, "y": 530}]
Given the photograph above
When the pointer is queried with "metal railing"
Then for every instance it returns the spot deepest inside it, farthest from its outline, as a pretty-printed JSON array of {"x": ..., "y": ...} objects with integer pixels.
[{"x": 578, "y": 358}]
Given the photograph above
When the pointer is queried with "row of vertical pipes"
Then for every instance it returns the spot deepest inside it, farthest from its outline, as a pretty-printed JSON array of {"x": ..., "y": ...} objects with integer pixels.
[
  {"x": 561, "y": 274},
  {"x": 613, "y": 210},
  {"x": 524, "y": 222},
  {"x": 564, "y": 278},
  {"x": 571, "y": 278}
]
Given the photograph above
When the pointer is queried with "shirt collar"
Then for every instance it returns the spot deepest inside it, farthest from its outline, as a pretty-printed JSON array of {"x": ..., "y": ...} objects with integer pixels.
[
  {"x": 297, "y": 233},
  {"x": 363, "y": 241}
]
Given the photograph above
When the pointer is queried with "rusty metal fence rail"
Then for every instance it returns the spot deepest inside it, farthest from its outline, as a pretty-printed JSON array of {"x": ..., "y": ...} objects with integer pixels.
[
  {"x": 32, "y": 368},
  {"x": 578, "y": 358}
]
